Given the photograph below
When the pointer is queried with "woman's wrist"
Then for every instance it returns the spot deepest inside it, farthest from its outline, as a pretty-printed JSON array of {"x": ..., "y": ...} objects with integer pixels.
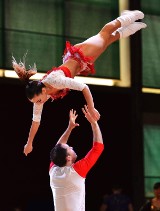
[{"x": 90, "y": 107}]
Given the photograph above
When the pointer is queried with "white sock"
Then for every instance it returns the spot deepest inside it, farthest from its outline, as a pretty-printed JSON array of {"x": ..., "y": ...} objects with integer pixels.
[
  {"x": 128, "y": 17},
  {"x": 131, "y": 29}
]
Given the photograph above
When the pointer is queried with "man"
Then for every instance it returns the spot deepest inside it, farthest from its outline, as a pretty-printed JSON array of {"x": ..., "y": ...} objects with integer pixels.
[
  {"x": 117, "y": 201},
  {"x": 67, "y": 177}
]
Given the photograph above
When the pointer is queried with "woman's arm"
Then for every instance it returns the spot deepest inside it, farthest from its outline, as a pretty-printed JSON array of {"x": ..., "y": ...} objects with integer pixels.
[
  {"x": 57, "y": 80},
  {"x": 37, "y": 112},
  {"x": 33, "y": 130},
  {"x": 89, "y": 99}
]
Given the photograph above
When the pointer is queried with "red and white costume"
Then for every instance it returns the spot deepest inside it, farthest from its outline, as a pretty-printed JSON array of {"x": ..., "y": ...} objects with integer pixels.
[
  {"x": 86, "y": 63},
  {"x": 68, "y": 183},
  {"x": 60, "y": 77}
]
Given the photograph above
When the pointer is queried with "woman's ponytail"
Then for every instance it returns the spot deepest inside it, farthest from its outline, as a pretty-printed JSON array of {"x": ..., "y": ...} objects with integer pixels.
[{"x": 21, "y": 71}]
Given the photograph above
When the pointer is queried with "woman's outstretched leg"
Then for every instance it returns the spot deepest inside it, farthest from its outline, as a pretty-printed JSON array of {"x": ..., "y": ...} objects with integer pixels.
[{"x": 96, "y": 45}]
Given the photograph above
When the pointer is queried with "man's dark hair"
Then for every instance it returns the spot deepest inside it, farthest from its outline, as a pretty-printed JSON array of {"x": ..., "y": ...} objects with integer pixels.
[
  {"x": 33, "y": 88},
  {"x": 156, "y": 185},
  {"x": 58, "y": 155}
]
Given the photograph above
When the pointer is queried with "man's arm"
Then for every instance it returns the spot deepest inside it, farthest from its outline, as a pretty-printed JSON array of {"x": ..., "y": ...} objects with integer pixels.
[
  {"x": 103, "y": 207},
  {"x": 130, "y": 207},
  {"x": 84, "y": 165},
  {"x": 71, "y": 125},
  {"x": 97, "y": 135}
]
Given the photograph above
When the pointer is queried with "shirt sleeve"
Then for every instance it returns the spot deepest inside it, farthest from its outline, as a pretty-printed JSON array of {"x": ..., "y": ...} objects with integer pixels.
[
  {"x": 58, "y": 80},
  {"x": 50, "y": 165},
  {"x": 84, "y": 165},
  {"x": 37, "y": 112}
]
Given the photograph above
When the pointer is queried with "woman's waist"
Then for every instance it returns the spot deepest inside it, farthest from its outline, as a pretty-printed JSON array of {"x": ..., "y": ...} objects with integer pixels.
[{"x": 73, "y": 66}]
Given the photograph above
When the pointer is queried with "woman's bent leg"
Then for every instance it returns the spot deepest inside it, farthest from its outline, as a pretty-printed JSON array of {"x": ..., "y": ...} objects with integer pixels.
[{"x": 96, "y": 45}]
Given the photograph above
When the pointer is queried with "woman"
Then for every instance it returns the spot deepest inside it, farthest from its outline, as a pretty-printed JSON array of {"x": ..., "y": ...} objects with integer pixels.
[
  {"x": 77, "y": 60},
  {"x": 154, "y": 203}
]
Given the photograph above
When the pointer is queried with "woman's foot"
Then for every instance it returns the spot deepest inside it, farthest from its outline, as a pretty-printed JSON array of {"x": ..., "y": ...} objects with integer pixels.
[
  {"x": 128, "y": 17},
  {"x": 131, "y": 29},
  {"x": 138, "y": 13}
]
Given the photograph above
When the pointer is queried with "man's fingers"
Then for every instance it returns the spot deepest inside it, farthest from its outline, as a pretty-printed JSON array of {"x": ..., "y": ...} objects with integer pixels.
[
  {"x": 84, "y": 111},
  {"x": 86, "y": 108},
  {"x": 73, "y": 113}
]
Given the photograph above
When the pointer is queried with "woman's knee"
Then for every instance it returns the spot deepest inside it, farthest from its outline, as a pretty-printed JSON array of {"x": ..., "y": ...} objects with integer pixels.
[{"x": 110, "y": 27}]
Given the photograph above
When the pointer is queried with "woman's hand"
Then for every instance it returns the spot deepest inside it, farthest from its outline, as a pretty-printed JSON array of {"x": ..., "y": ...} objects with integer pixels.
[
  {"x": 95, "y": 114},
  {"x": 27, "y": 149},
  {"x": 88, "y": 115}
]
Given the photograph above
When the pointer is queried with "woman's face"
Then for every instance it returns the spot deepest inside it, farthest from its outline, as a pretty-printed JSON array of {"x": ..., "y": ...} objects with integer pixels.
[
  {"x": 157, "y": 193},
  {"x": 41, "y": 98}
]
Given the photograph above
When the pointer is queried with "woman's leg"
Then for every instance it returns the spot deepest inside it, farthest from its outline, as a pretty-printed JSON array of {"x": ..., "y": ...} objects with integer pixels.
[{"x": 96, "y": 45}]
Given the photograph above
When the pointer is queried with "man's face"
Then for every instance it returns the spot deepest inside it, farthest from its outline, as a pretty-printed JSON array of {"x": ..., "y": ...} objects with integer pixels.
[{"x": 71, "y": 153}]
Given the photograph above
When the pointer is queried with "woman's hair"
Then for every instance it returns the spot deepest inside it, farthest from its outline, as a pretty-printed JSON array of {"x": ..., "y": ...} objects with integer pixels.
[
  {"x": 21, "y": 71},
  {"x": 33, "y": 88},
  {"x": 156, "y": 186},
  {"x": 58, "y": 155}
]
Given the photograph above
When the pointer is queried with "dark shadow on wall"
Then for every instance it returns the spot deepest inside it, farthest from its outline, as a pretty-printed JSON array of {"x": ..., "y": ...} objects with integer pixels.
[{"x": 25, "y": 180}]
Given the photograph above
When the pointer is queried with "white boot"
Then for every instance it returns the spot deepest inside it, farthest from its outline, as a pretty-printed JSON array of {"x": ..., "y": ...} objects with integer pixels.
[
  {"x": 128, "y": 17},
  {"x": 131, "y": 29}
]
